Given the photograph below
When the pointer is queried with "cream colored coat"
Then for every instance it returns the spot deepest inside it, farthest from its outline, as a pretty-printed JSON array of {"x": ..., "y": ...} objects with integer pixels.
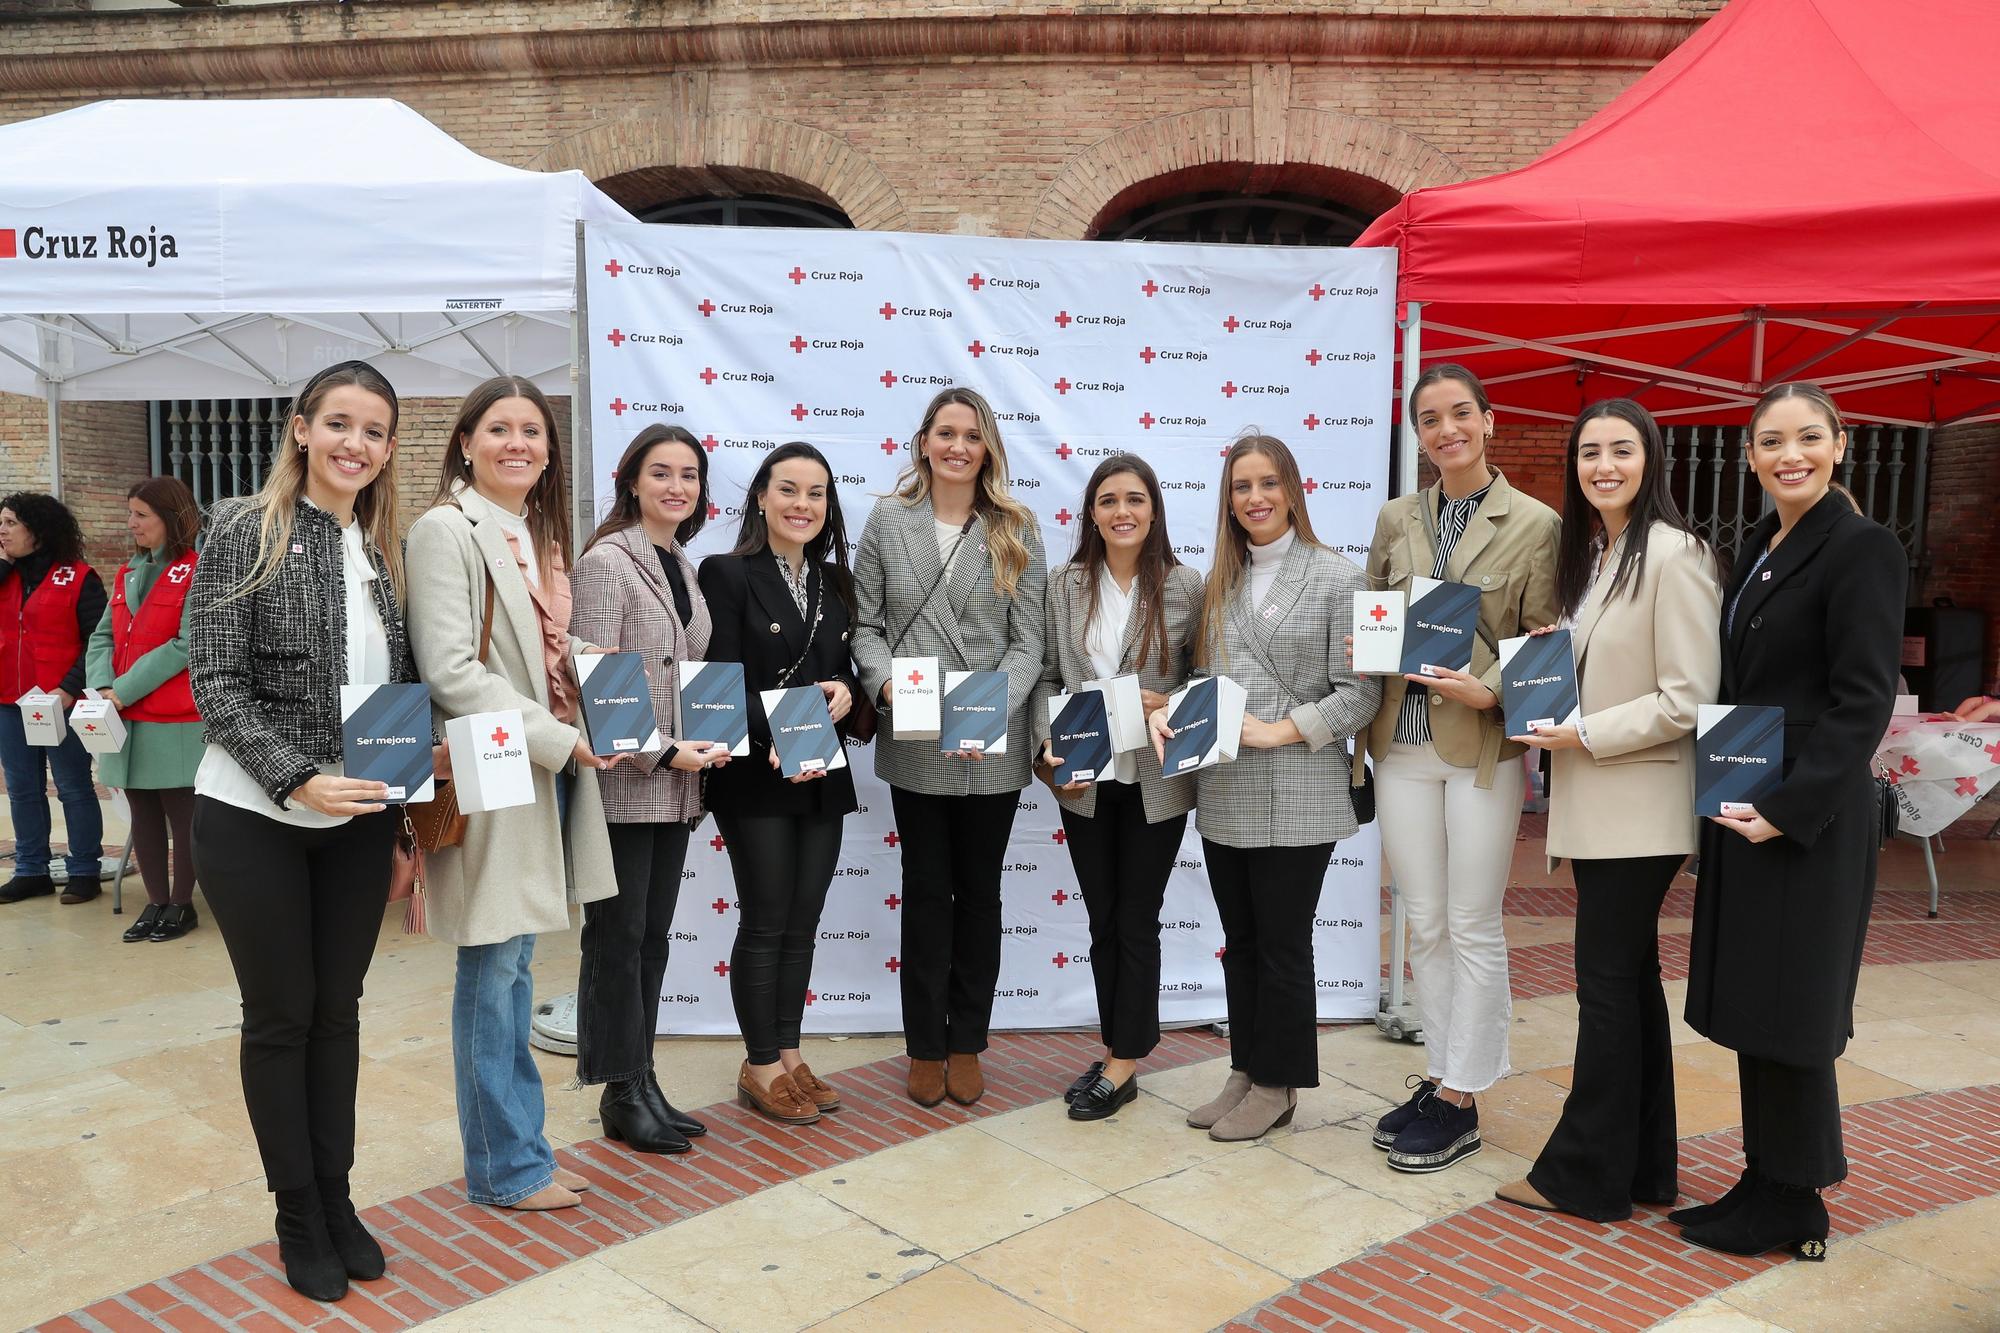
[
  {"x": 510, "y": 877},
  {"x": 1645, "y": 660}
]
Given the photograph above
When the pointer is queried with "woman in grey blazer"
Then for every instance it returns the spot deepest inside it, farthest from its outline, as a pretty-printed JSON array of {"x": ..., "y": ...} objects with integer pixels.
[
  {"x": 1275, "y": 616},
  {"x": 1124, "y": 606},
  {"x": 950, "y": 566}
]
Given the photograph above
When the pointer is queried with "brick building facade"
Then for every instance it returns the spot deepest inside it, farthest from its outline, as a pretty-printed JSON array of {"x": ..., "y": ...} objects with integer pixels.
[{"x": 926, "y": 115}]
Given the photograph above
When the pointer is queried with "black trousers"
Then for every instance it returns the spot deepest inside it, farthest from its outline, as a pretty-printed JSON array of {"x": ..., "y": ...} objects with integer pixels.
[
  {"x": 624, "y": 945},
  {"x": 299, "y": 910},
  {"x": 155, "y": 812},
  {"x": 1791, "y": 1122},
  {"x": 783, "y": 865},
  {"x": 1122, "y": 864},
  {"x": 952, "y": 850},
  {"x": 1615, "y": 1142},
  {"x": 1266, "y": 897}
]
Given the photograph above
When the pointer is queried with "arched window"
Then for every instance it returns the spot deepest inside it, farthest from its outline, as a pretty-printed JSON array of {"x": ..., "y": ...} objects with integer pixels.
[
  {"x": 747, "y": 211},
  {"x": 1224, "y": 217}
]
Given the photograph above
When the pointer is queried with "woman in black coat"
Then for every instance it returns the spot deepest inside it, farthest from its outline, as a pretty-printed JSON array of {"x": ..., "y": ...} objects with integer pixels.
[
  {"x": 782, "y": 603},
  {"x": 1812, "y": 622}
]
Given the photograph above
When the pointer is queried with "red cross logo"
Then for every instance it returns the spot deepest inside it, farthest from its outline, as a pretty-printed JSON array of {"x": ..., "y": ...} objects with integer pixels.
[
  {"x": 1310, "y": 486},
  {"x": 889, "y": 444},
  {"x": 1229, "y": 388},
  {"x": 797, "y": 275},
  {"x": 1311, "y": 423},
  {"x": 1061, "y": 961},
  {"x": 1060, "y": 836},
  {"x": 1316, "y": 292},
  {"x": 1063, "y": 516},
  {"x": 1147, "y": 354},
  {"x": 63, "y": 577},
  {"x": 708, "y": 442},
  {"x": 717, "y": 842},
  {"x": 500, "y": 736},
  {"x": 798, "y": 343},
  {"x": 708, "y": 375},
  {"x": 1063, "y": 451},
  {"x": 891, "y": 837},
  {"x": 617, "y": 407},
  {"x": 36, "y": 716},
  {"x": 1993, "y": 752},
  {"x": 888, "y": 310},
  {"x": 721, "y": 969},
  {"x": 1378, "y": 613},
  {"x": 975, "y": 347},
  {"x": 90, "y": 726},
  {"x": 720, "y": 905},
  {"x": 1232, "y": 323},
  {"x": 799, "y": 412},
  {"x": 1063, "y": 319},
  {"x": 916, "y": 678},
  {"x": 892, "y": 902},
  {"x": 1148, "y": 420},
  {"x": 888, "y": 378},
  {"x": 615, "y": 338},
  {"x": 1968, "y": 786},
  {"x": 894, "y": 964},
  {"x": 1062, "y": 385},
  {"x": 1895, "y": 779},
  {"x": 1059, "y": 897},
  {"x": 1910, "y": 765},
  {"x": 614, "y": 268},
  {"x": 811, "y": 996},
  {"x": 179, "y": 573},
  {"x": 1313, "y": 357},
  {"x": 1150, "y": 287},
  {"x": 707, "y": 307},
  {"x": 713, "y": 512},
  {"x": 1220, "y": 952},
  {"x": 975, "y": 282}
]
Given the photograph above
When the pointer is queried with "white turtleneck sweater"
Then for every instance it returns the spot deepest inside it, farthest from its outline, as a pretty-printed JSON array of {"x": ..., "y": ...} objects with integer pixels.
[{"x": 1264, "y": 562}]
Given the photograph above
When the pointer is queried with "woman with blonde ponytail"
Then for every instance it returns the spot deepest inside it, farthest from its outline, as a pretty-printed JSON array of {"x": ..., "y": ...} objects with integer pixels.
[{"x": 950, "y": 566}]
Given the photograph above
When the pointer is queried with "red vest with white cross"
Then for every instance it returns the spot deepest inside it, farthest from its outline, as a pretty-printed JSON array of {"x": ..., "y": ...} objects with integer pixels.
[
  {"x": 156, "y": 622},
  {"x": 39, "y": 640}
]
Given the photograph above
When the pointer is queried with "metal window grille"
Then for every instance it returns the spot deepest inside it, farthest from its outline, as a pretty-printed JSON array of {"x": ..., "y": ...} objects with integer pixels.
[
  {"x": 748, "y": 211},
  {"x": 221, "y": 447},
  {"x": 1223, "y": 218}
]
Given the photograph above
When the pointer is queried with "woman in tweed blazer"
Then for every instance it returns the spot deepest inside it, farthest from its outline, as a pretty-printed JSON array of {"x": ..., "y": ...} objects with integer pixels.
[
  {"x": 951, "y": 566},
  {"x": 1274, "y": 617},
  {"x": 1124, "y": 606},
  {"x": 635, "y": 588}
]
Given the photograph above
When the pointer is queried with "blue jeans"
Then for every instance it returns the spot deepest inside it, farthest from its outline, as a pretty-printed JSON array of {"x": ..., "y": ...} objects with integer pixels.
[{"x": 27, "y": 767}]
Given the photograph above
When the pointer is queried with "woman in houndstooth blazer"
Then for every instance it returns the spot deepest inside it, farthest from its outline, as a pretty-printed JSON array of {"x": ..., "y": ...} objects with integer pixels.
[
  {"x": 1274, "y": 617},
  {"x": 951, "y": 566}
]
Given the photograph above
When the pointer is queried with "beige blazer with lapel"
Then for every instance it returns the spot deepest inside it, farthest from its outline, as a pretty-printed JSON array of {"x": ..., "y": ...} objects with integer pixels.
[
  {"x": 511, "y": 875},
  {"x": 1508, "y": 552},
  {"x": 1645, "y": 660}
]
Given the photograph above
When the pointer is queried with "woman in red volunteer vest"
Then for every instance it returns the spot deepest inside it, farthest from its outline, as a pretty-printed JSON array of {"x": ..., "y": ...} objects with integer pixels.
[
  {"x": 49, "y": 603},
  {"x": 138, "y": 660}
]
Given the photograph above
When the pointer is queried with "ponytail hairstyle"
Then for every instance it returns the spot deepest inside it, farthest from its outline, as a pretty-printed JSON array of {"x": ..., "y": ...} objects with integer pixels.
[
  {"x": 1008, "y": 520},
  {"x": 754, "y": 536},
  {"x": 175, "y": 504},
  {"x": 625, "y": 483},
  {"x": 1232, "y": 543},
  {"x": 1156, "y": 557},
  {"x": 547, "y": 510},
  {"x": 1652, "y": 503}
]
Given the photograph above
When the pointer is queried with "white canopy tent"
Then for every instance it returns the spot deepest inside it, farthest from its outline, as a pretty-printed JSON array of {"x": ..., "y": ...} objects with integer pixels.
[{"x": 218, "y": 249}]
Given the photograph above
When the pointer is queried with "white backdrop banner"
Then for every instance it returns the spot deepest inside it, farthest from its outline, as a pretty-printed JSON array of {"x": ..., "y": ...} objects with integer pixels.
[{"x": 752, "y": 337}]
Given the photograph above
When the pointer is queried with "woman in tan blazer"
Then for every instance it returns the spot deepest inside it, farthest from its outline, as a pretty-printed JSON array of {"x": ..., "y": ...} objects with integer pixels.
[
  {"x": 1641, "y": 594},
  {"x": 1450, "y": 782}
]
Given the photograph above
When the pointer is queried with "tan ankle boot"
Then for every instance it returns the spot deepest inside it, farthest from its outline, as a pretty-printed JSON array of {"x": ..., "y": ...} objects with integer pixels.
[
  {"x": 1261, "y": 1109},
  {"x": 963, "y": 1078},
  {"x": 926, "y": 1085},
  {"x": 1234, "y": 1091}
]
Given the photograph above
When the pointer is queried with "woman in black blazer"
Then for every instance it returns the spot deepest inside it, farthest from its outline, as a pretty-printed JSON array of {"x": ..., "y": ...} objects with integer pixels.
[
  {"x": 782, "y": 602},
  {"x": 1812, "y": 622}
]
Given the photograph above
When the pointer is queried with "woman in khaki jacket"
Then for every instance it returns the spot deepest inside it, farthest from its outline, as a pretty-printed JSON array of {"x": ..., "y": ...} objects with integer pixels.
[
  {"x": 1450, "y": 782},
  {"x": 1641, "y": 594}
]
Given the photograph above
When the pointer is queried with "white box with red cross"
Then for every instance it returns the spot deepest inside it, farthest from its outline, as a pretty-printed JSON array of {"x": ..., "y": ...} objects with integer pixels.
[
  {"x": 489, "y": 761},
  {"x": 916, "y": 698}
]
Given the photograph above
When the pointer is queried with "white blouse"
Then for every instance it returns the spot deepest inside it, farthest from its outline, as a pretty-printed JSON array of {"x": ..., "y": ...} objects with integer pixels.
[{"x": 1104, "y": 644}]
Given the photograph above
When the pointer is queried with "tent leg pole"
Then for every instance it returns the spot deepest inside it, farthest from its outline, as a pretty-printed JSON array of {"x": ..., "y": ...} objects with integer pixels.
[
  {"x": 1396, "y": 1016},
  {"x": 55, "y": 437},
  {"x": 1413, "y": 356}
]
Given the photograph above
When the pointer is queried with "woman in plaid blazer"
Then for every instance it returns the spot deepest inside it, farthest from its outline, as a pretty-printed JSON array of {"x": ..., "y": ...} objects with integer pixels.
[
  {"x": 950, "y": 566},
  {"x": 1276, "y": 610}
]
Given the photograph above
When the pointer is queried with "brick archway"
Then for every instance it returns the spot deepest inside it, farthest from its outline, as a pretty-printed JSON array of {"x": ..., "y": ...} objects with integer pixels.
[
  {"x": 1369, "y": 163},
  {"x": 674, "y": 152}
]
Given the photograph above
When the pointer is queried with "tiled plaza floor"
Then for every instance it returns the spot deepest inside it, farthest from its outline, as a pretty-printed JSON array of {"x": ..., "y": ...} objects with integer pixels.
[{"x": 133, "y": 1197}]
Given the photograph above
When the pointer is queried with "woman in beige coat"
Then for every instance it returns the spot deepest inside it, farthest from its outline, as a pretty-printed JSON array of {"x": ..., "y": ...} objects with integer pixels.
[
  {"x": 1641, "y": 594},
  {"x": 499, "y": 521}
]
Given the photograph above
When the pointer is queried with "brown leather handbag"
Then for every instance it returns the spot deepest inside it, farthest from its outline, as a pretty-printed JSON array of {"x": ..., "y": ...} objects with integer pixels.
[{"x": 437, "y": 822}]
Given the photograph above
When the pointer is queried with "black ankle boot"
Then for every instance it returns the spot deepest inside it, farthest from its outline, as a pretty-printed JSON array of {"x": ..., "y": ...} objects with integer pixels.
[
  {"x": 1701, "y": 1213},
  {"x": 684, "y": 1124},
  {"x": 629, "y": 1118},
  {"x": 311, "y": 1265},
  {"x": 1771, "y": 1217},
  {"x": 359, "y": 1253}
]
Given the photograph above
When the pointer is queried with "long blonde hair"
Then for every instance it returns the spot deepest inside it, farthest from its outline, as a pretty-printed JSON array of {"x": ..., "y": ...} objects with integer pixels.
[
  {"x": 276, "y": 503},
  {"x": 1007, "y": 539},
  {"x": 1232, "y": 543}
]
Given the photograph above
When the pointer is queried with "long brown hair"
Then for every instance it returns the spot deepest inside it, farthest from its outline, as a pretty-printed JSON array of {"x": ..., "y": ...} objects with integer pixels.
[
  {"x": 546, "y": 510},
  {"x": 1156, "y": 556},
  {"x": 625, "y": 483},
  {"x": 1006, "y": 539},
  {"x": 1232, "y": 543},
  {"x": 174, "y": 503}
]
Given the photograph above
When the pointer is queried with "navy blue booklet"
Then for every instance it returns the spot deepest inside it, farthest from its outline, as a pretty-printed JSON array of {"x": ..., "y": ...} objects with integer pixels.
[
  {"x": 1537, "y": 682},
  {"x": 1080, "y": 736},
  {"x": 385, "y": 737},
  {"x": 1438, "y": 626},
  {"x": 617, "y": 703},
  {"x": 1739, "y": 756},
  {"x": 802, "y": 731},
  {"x": 974, "y": 716}
]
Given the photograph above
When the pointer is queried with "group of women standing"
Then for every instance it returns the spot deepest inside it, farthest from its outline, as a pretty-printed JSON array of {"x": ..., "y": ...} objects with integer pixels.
[{"x": 306, "y": 587}]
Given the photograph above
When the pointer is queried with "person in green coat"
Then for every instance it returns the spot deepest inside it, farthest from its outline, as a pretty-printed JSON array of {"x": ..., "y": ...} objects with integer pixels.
[{"x": 138, "y": 659}]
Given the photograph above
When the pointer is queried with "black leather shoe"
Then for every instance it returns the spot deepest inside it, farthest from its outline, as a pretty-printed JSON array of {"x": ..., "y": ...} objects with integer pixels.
[
  {"x": 311, "y": 1264},
  {"x": 174, "y": 923},
  {"x": 1733, "y": 1198},
  {"x": 359, "y": 1253},
  {"x": 27, "y": 886},
  {"x": 143, "y": 927},
  {"x": 1083, "y": 1082},
  {"x": 629, "y": 1118},
  {"x": 686, "y": 1125},
  {"x": 1102, "y": 1098},
  {"x": 1771, "y": 1217}
]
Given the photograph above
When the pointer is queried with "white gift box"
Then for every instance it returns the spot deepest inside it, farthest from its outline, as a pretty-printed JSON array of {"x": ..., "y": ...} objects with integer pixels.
[
  {"x": 42, "y": 718},
  {"x": 97, "y": 724},
  {"x": 1204, "y": 735},
  {"x": 489, "y": 761},
  {"x": 916, "y": 693},
  {"x": 1378, "y": 633},
  {"x": 1125, "y": 710}
]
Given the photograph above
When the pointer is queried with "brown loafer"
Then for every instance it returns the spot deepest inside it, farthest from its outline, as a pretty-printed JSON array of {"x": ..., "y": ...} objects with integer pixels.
[
  {"x": 821, "y": 1096},
  {"x": 963, "y": 1079},
  {"x": 782, "y": 1101},
  {"x": 926, "y": 1086}
]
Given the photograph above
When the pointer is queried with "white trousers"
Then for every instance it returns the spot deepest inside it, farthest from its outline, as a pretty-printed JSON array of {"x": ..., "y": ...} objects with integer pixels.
[{"x": 1450, "y": 847}]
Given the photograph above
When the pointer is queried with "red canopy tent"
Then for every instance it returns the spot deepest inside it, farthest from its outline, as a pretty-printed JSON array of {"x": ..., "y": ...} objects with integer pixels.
[{"x": 1804, "y": 189}]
